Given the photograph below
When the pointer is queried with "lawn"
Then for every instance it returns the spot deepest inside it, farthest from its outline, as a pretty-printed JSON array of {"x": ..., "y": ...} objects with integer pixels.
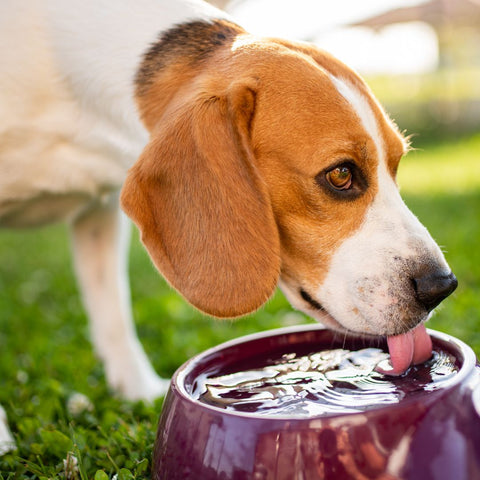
[{"x": 53, "y": 388}]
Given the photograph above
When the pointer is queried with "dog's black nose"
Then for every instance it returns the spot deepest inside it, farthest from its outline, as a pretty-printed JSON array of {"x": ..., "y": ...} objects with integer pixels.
[{"x": 432, "y": 288}]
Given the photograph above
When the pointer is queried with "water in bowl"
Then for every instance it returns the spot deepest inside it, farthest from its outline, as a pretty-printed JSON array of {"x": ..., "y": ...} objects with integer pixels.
[{"x": 327, "y": 382}]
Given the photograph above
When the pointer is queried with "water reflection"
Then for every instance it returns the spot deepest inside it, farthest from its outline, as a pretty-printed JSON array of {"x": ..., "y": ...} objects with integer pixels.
[{"x": 327, "y": 382}]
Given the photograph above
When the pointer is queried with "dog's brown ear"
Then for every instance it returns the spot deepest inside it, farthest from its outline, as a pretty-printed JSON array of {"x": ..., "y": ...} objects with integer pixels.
[{"x": 203, "y": 210}]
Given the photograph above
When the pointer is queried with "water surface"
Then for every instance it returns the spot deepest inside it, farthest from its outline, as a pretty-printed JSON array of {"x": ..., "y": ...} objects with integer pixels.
[{"x": 327, "y": 382}]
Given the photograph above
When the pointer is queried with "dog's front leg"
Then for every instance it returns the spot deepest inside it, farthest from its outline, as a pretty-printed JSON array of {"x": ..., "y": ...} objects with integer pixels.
[
  {"x": 7, "y": 443},
  {"x": 100, "y": 240}
]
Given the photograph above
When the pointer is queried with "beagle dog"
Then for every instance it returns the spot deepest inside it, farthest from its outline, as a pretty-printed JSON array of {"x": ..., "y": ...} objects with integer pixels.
[{"x": 245, "y": 162}]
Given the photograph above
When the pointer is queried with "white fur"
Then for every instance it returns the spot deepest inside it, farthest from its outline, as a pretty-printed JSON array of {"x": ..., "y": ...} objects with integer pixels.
[
  {"x": 364, "y": 112},
  {"x": 368, "y": 281},
  {"x": 69, "y": 130},
  {"x": 7, "y": 443}
]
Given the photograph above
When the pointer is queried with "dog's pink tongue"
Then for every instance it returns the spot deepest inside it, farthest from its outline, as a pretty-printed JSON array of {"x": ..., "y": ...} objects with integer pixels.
[
  {"x": 408, "y": 348},
  {"x": 422, "y": 345},
  {"x": 401, "y": 348}
]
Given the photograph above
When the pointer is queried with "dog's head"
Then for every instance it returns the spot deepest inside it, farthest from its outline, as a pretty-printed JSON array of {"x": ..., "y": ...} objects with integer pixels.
[{"x": 271, "y": 162}]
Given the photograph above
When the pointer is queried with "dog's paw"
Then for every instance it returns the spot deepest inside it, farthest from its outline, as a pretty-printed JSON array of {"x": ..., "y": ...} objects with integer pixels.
[
  {"x": 7, "y": 443},
  {"x": 132, "y": 376},
  {"x": 147, "y": 389}
]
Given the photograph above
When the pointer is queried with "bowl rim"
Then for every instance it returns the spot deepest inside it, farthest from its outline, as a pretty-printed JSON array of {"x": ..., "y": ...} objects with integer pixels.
[{"x": 177, "y": 383}]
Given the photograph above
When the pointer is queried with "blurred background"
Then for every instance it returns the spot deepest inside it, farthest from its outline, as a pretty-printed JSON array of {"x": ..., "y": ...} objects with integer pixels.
[{"x": 422, "y": 58}]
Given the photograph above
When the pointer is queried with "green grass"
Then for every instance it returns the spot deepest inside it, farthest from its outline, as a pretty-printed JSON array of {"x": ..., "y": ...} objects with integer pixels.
[
  {"x": 441, "y": 104},
  {"x": 453, "y": 84},
  {"x": 450, "y": 169},
  {"x": 46, "y": 356}
]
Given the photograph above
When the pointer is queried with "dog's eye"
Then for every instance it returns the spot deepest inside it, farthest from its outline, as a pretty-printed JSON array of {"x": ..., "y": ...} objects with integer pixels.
[
  {"x": 340, "y": 177},
  {"x": 344, "y": 180}
]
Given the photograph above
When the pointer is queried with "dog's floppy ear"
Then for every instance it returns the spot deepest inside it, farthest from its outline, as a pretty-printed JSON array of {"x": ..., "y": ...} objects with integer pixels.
[{"x": 203, "y": 210}]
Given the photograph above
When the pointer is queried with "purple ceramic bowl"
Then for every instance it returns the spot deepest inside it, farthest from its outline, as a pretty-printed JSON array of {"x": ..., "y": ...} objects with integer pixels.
[{"x": 434, "y": 435}]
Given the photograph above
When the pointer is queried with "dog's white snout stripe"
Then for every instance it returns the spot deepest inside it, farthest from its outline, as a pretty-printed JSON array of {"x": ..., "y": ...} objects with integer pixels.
[
  {"x": 367, "y": 287},
  {"x": 364, "y": 112}
]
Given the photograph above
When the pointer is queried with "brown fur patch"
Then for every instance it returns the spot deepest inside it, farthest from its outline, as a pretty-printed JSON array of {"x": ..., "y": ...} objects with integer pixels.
[{"x": 187, "y": 43}]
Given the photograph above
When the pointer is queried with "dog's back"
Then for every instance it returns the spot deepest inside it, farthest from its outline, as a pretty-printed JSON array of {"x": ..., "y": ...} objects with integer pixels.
[
  {"x": 56, "y": 152},
  {"x": 69, "y": 129},
  {"x": 35, "y": 115}
]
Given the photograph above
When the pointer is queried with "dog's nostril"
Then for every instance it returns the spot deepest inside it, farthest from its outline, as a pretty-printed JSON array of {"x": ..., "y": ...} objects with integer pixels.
[{"x": 431, "y": 289}]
